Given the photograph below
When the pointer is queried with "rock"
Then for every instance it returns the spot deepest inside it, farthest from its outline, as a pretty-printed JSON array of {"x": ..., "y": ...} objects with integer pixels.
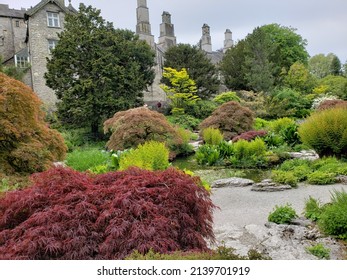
[
  {"x": 268, "y": 185},
  {"x": 309, "y": 155},
  {"x": 342, "y": 179},
  {"x": 232, "y": 182},
  {"x": 301, "y": 222},
  {"x": 59, "y": 164}
]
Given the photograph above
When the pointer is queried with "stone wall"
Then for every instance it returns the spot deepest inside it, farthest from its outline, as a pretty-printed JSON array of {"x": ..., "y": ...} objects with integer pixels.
[{"x": 40, "y": 33}]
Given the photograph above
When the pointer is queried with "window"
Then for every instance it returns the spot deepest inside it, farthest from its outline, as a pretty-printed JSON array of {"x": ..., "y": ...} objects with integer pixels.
[
  {"x": 17, "y": 23},
  {"x": 21, "y": 61},
  {"x": 51, "y": 44},
  {"x": 53, "y": 19}
]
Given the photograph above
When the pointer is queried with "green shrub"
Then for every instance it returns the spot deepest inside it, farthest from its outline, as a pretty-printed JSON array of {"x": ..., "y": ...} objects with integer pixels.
[
  {"x": 226, "y": 97},
  {"x": 319, "y": 251},
  {"x": 321, "y": 178},
  {"x": 282, "y": 214},
  {"x": 326, "y": 132},
  {"x": 249, "y": 154},
  {"x": 212, "y": 136},
  {"x": 260, "y": 123},
  {"x": 87, "y": 158},
  {"x": 300, "y": 168},
  {"x": 231, "y": 119},
  {"x": 284, "y": 177},
  {"x": 202, "y": 109},
  {"x": 5, "y": 185},
  {"x": 333, "y": 219},
  {"x": 185, "y": 121},
  {"x": 279, "y": 124},
  {"x": 151, "y": 155},
  {"x": 208, "y": 155},
  {"x": 225, "y": 149},
  {"x": 313, "y": 209}
]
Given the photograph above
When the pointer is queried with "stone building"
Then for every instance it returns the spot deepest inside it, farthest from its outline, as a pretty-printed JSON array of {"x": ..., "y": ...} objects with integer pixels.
[
  {"x": 28, "y": 35},
  {"x": 166, "y": 40}
]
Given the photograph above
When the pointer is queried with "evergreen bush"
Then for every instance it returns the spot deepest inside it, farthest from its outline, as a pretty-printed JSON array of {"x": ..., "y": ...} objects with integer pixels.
[
  {"x": 226, "y": 97},
  {"x": 27, "y": 144},
  {"x": 231, "y": 119},
  {"x": 326, "y": 132}
]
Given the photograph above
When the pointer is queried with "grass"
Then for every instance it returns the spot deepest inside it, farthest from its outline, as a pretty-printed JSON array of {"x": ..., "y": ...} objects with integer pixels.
[{"x": 83, "y": 159}]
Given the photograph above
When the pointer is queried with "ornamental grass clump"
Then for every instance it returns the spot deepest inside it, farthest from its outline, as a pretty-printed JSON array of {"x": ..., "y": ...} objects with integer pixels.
[
  {"x": 326, "y": 132},
  {"x": 69, "y": 215},
  {"x": 27, "y": 144},
  {"x": 212, "y": 136}
]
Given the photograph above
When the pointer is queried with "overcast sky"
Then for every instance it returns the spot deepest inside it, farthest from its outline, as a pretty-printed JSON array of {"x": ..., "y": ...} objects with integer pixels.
[{"x": 323, "y": 23}]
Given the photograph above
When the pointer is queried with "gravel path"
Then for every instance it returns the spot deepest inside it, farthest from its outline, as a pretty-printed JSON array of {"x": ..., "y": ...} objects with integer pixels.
[
  {"x": 241, "y": 222},
  {"x": 241, "y": 206}
]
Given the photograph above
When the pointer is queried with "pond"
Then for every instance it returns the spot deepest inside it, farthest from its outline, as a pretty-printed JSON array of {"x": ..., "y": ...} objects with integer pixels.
[{"x": 213, "y": 173}]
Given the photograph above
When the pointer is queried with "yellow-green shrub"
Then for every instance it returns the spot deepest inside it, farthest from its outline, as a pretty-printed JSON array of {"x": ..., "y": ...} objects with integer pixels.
[
  {"x": 212, "y": 136},
  {"x": 326, "y": 132},
  {"x": 151, "y": 155}
]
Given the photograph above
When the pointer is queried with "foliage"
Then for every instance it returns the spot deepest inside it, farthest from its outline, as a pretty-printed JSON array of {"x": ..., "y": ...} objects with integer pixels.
[
  {"x": 199, "y": 67},
  {"x": 250, "y": 135},
  {"x": 150, "y": 156},
  {"x": 180, "y": 89},
  {"x": 321, "y": 66},
  {"x": 201, "y": 109},
  {"x": 97, "y": 70},
  {"x": 208, "y": 155},
  {"x": 321, "y": 178},
  {"x": 299, "y": 78},
  {"x": 287, "y": 102},
  {"x": 12, "y": 71},
  {"x": 282, "y": 214},
  {"x": 322, "y": 99},
  {"x": 212, "y": 136},
  {"x": 284, "y": 177},
  {"x": 70, "y": 215},
  {"x": 260, "y": 124},
  {"x": 334, "y": 85},
  {"x": 231, "y": 119},
  {"x": 313, "y": 209},
  {"x": 319, "y": 251},
  {"x": 185, "y": 121},
  {"x": 333, "y": 219},
  {"x": 87, "y": 158},
  {"x": 27, "y": 144},
  {"x": 5, "y": 185},
  {"x": 226, "y": 97},
  {"x": 249, "y": 154},
  {"x": 137, "y": 126},
  {"x": 328, "y": 104},
  {"x": 258, "y": 61},
  {"x": 326, "y": 132}
]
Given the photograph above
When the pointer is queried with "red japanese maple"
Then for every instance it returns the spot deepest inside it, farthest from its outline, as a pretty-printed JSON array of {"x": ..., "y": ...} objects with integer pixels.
[{"x": 70, "y": 215}]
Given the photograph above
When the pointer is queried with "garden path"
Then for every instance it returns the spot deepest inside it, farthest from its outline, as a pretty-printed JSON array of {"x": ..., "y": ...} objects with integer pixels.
[{"x": 241, "y": 221}]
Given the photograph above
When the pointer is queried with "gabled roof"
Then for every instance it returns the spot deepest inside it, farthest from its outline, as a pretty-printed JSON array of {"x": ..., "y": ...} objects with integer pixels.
[
  {"x": 43, "y": 3},
  {"x": 6, "y": 12}
]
